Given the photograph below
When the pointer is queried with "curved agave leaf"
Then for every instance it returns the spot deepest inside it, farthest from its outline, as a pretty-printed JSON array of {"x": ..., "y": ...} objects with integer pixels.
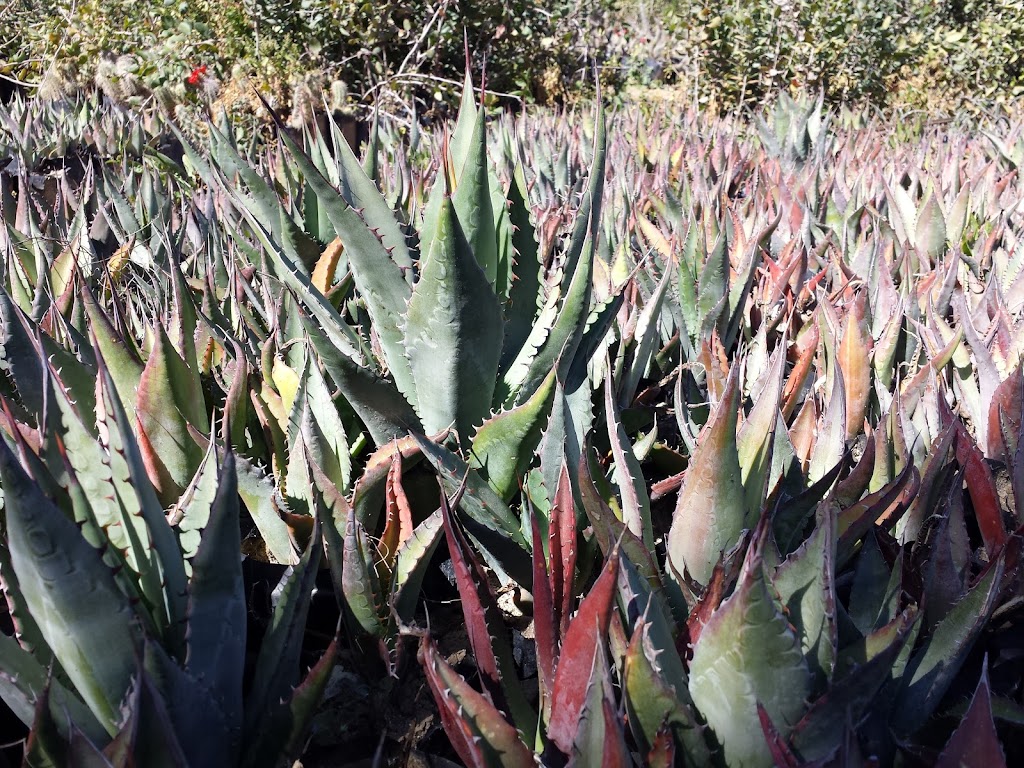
[
  {"x": 216, "y": 607},
  {"x": 748, "y": 654},
  {"x": 83, "y": 616},
  {"x": 452, "y": 330},
  {"x": 504, "y": 446},
  {"x": 711, "y": 509}
]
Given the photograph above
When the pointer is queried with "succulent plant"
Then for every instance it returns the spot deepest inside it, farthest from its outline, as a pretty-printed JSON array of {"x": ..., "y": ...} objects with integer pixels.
[{"x": 754, "y": 390}]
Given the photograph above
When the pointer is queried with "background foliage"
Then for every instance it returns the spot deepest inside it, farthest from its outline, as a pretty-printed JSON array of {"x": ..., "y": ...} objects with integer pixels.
[{"x": 919, "y": 53}]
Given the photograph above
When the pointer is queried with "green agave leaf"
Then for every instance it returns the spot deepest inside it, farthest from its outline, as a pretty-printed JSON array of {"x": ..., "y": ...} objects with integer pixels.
[
  {"x": 386, "y": 414},
  {"x": 170, "y": 399},
  {"x": 870, "y": 580},
  {"x": 525, "y": 294},
  {"x": 711, "y": 509},
  {"x": 465, "y": 126},
  {"x": 363, "y": 592},
  {"x": 83, "y": 616},
  {"x": 192, "y": 511},
  {"x": 487, "y": 519},
  {"x": 504, "y": 446},
  {"x": 556, "y": 336},
  {"x": 748, "y": 654},
  {"x": 805, "y": 584},
  {"x": 188, "y": 707},
  {"x": 262, "y": 203},
  {"x": 284, "y": 735},
  {"x": 597, "y": 740},
  {"x": 472, "y": 203},
  {"x": 341, "y": 335},
  {"x": 376, "y": 250},
  {"x": 647, "y": 334},
  {"x": 611, "y": 532},
  {"x": 850, "y": 697},
  {"x": 411, "y": 564},
  {"x": 257, "y": 491},
  {"x": 216, "y": 606},
  {"x": 453, "y": 332},
  {"x": 277, "y": 666},
  {"x": 756, "y": 439},
  {"x": 930, "y": 228},
  {"x": 118, "y": 353},
  {"x": 830, "y": 440},
  {"x": 155, "y": 546},
  {"x": 932, "y": 668},
  {"x": 652, "y": 703},
  {"x": 19, "y": 359},
  {"x": 636, "y": 504},
  {"x": 22, "y": 681}
]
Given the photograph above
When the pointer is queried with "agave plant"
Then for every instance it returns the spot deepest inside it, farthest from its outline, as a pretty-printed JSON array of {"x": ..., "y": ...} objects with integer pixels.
[{"x": 131, "y": 633}]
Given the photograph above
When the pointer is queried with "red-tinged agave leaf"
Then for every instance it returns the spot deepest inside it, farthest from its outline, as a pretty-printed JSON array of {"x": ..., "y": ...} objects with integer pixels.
[
  {"x": 715, "y": 376},
  {"x": 615, "y": 754},
  {"x": 398, "y": 525},
  {"x": 807, "y": 347},
  {"x": 913, "y": 389},
  {"x": 804, "y": 432},
  {"x": 782, "y": 755},
  {"x": 981, "y": 486},
  {"x": 975, "y": 741},
  {"x": 369, "y": 495},
  {"x": 582, "y": 641},
  {"x": 663, "y": 753},
  {"x": 562, "y": 549},
  {"x": 850, "y": 488},
  {"x": 1004, "y": 416},
  {"x": 854, "y": 358},
  {"x": 722, "y": 579},
  {"x": 882, "y": 508},
  {"x": 488, "y": 637},
  {"x": 477, "y": 730},
  {"x": 307, "y": 695},
  {"x": 545, "y": 624},
  {"x": 711, "y": 508}
]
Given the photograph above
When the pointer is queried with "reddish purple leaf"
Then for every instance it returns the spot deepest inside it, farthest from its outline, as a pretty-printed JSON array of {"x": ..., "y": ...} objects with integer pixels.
[
  {"x": 981, "y": 486},
  {"x": 782, "y": 755},
  {"x": 479, "y": 607},
  {"x": 562, "y": 550},
  {"x": 615, "y": 753},
  {"x": 1004, "y": 417},
  {"x": 975, "y": 741},
  {"x": 473, "y": 725},
  {"x": 544, "y": 623},
  {"x": 663, "y": 752},
  {"x": 576, "y": 659}
]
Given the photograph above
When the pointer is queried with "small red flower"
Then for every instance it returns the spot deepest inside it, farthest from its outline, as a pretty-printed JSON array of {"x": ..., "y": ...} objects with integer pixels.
[{"x": 197, "y": 74}]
